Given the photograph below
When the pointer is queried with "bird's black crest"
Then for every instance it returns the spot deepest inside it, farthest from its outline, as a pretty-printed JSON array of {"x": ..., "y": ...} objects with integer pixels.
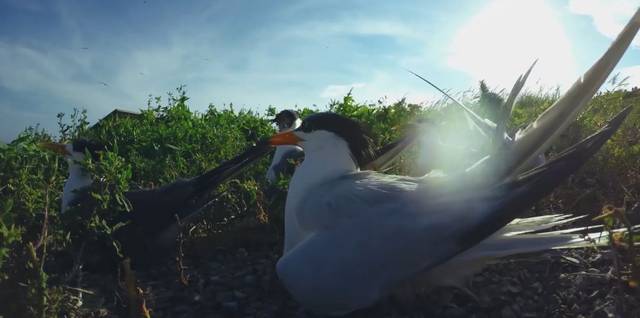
[
  {"x": 287, "y": 114},
  {"x": 356, "y": 136},
  {"x": 92, "y": 146}
]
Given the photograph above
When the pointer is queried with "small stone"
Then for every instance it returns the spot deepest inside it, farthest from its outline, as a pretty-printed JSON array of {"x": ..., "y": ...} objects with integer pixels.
[
  {"x": 242, "y": 253},
  {"x": 512, "y": 287},
  {"x": 230, "y": 306},
  {"x": 455, "y": 312},
  {"x": 239, "y": 295},
  {"x": 507, "y": 312},
  {"x": 223, "y": 297},
  {"x": 537, "y": 287},
  {"x": 181, "y": 309},
  {"x": 249, "y": 279},
  {"x": 516, "y": 309}
]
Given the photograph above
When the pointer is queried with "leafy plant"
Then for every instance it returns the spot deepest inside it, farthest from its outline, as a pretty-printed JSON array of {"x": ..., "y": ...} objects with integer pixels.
[{"x": 168, "y": 140}]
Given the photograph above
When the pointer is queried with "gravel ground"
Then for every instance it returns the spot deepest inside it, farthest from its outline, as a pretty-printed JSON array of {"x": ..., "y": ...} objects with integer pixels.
[{"x": 238, "y": 280}]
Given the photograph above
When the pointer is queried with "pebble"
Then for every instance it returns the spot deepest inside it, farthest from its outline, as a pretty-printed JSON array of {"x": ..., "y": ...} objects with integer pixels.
[
  {"x": 225, "y": 296},
  {"x": 239, "y": 294},
  {"x": 455, "y": 312},
  {"x": 242, "y": 253},
  {"x": 507, "y": 312},
  {"x": 249, "y": 279},
  {"x": 230, "y": 306},
  {"x": 238, "y": 282},
  {"x": 181, "y": 309}
]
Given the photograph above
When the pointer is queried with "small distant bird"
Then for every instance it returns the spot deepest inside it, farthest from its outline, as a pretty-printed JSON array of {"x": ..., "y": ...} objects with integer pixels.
[
  {"x": 103, "y": 83},
  {"x": 85, "y": 48},
  {"x": 286, "y": 120}
]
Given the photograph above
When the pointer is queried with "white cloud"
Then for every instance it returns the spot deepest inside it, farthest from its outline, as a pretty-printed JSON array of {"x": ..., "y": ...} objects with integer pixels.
[
  {"x": 609, "y": 16},
  {"x": 505, "y": 37}
]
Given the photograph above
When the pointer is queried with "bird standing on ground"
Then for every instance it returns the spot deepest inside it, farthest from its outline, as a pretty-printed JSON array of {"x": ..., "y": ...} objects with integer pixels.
[
  {"x": 353, "y": 236},
  {"x": 151, "y": 227},
  {"x": 78, "y": 178},
  {"x": 286, "y": 120},
  {"x": 385, "y": 156}
]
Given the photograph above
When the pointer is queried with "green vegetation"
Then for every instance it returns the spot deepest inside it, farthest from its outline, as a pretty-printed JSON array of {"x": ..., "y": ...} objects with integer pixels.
[{"x": 169, "y": 141}]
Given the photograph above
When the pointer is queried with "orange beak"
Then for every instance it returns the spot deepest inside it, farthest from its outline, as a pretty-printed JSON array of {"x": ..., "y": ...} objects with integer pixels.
[
  {"x": 55, "y": 147},
  {"x": 285, "y": 138}
]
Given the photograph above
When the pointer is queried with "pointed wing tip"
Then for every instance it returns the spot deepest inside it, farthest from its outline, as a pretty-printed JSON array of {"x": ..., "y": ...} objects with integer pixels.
[
  {"x": 636, "y": 16},
  {"x": 531, "y": 68},
  {"x": 617, "y": 120}
]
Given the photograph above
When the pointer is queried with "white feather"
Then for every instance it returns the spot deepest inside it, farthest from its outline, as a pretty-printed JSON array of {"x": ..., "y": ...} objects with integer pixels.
[
  {"x": 78, "y": 178},
  {"x": 539, "y": 135},
  {"x": 272, "y": 173},
  {"x": 333, "y": 155}
]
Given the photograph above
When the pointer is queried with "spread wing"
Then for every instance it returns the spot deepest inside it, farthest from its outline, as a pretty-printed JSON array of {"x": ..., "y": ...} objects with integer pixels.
[{"x": 383, "y": 229}]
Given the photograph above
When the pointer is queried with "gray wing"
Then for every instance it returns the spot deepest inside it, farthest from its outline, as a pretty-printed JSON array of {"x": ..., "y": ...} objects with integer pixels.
[
  {"x": 536, "y": 138},
  {"x": 354, "y": 196},
  {"x": 369, "y": 232}
]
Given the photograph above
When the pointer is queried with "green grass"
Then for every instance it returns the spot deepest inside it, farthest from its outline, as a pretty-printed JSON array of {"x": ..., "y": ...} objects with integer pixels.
[{"x": 169, "y": 141}]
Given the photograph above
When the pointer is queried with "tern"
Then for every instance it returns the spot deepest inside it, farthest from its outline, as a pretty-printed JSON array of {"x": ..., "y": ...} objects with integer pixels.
[
  {"x": 353, "y": 236},
  {"x": 78, "y": 178},
  {"x": 286, "y": 120},
  {"x": 385, "y": 156},
  {"x": 151, "y": 224},
  {"x": 492, "y": 133}
]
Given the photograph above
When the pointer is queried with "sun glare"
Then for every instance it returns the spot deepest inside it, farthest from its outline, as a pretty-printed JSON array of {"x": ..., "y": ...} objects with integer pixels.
[{"x": 506, "y": 36}]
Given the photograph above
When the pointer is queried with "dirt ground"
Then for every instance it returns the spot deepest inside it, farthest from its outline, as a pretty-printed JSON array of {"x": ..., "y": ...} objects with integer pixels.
[{"x": 237, "y": 279}]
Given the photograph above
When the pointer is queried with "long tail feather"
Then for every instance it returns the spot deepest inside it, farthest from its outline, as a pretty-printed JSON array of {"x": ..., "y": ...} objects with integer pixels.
[
  {"x": 540, "y": 134},
  {"x": 505, "y": 115},
  {"x": 501, "y": 246},
  {"x": 230, "y": 168},
  {"x": 531, "y": 186},
  {"x": 484, "y": 126},
  {"x": 462, "y": 267},
  {"x": 387, "y": 155},
  {"x": 535, "y": 224}
]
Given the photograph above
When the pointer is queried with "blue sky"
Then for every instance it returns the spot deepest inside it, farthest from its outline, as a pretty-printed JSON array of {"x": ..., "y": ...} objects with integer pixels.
[{"x": 100, "y": 55}]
